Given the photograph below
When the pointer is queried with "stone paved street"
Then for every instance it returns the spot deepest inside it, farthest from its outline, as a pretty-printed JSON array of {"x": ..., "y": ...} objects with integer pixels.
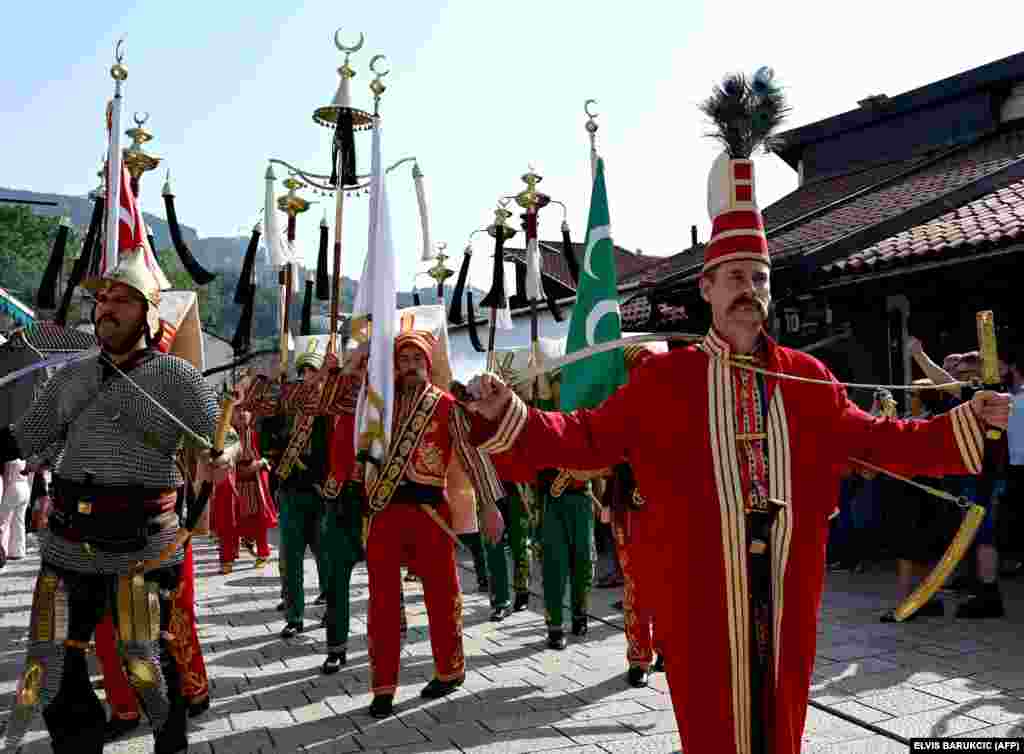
[{"x": 932, "y": 677}]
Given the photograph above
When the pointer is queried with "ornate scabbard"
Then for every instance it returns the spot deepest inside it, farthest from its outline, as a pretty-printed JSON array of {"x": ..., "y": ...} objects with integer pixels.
[{"x": 956, "y": 550}]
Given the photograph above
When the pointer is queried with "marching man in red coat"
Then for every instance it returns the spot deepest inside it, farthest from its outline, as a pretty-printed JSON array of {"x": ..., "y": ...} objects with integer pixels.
[
  {"x": 741, "y": 564},
  {"x": 409, "y": 516}
]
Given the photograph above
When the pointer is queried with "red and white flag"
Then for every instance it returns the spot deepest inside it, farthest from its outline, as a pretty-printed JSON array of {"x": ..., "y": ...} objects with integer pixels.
[{"x": 131, "y": 229}]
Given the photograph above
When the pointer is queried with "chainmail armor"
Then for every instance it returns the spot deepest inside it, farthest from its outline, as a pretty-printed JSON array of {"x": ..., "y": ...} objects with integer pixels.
[{"x": 115, "y": 432}]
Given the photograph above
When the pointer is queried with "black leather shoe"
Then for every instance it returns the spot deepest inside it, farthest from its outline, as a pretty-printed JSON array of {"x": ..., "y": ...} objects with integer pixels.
[
  {"x": 281, "y": 606},
  {"x": 291, "y": 629},
  {"x": 198, "y": 708},
  {"x": 321, "y": 599},
  {"x": 333, "y": 663},
  {"x": 659, "y": 665},
  {"x": 119, "y": 726},
  {"x": 483, "y": 585},
  {"x": 556, "y": 640},
  {"x": 522, "y": 601},
  {"x": 382, "y": 706},
  {"x": 637, "y": 677},
  {"x": 501, "y": 613},
  {"x": 620, "y": 606},
  {"x": 438, "y": 688},
  {"x": 986, "y": 603},
  {"x": 580, "y": 625}
]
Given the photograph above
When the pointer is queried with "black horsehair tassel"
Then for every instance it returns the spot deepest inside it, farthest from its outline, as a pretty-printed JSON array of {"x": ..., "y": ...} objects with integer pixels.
[
  {"x": 46, "y": 296},
  {"x": 243, "y": 335},
  {"x": 345, "y": 145},
  {"x": 195, "y": 270},
  {"x": 570, "y": 255},
  {"x": 306, "y": 326},
  {"x": 474, "y": 336},
  {"x": 96, "y": 257},
  {"x": 455, "y": 310},
  {"x": 82, "y": 263},
  {"x": 495, "y": 297},
  {"x": 248, "y": 263},
  {"x": 323, "y": 289},
  {"x": 416, "y": 298}
]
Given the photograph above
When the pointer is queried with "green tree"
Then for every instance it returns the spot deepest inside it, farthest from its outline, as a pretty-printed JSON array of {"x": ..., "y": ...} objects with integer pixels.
[{"x": 25, "y": 243}]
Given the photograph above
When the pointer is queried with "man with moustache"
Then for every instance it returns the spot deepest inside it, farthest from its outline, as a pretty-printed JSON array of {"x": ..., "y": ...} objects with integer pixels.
[
  {"x": 115, "y": 487},
  {"x": 739, "y": 471},
  {"x": 428, "y": 427}
]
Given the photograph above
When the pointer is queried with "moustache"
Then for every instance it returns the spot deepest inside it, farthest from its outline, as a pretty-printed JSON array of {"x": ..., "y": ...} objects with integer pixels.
[
  {"x": 107, "y": 318},
  {"x": 747, "y": 300}
]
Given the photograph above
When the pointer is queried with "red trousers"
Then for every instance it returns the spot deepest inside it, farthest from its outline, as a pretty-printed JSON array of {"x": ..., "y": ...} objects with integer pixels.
[
  {"x": 184, "y": 646},
  {"x": 242, "y": 510},
  {"x": 638, "y": 600},
  {"x": 403, "y": 533}
]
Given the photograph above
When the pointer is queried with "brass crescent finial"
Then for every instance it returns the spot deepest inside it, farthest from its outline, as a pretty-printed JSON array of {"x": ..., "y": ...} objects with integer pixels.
[
  {"x": 140, "y": 120},
  {"x": 348, "y": 50},
  {"x": 373, "y": 63},
  {"x": 117, "y": 71},
  {"x": 586, "y": 108}
]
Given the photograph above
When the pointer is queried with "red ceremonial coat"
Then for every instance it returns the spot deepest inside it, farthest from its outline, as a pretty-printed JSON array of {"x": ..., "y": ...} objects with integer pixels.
[{"x": 675, "y": 423}]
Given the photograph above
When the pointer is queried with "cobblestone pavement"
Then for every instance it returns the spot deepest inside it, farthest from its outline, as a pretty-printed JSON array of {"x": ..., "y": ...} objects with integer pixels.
[{"x": 932, "y": 677}]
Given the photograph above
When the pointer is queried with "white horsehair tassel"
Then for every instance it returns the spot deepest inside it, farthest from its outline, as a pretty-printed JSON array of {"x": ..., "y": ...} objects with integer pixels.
[{"x": 421, "y": 199}]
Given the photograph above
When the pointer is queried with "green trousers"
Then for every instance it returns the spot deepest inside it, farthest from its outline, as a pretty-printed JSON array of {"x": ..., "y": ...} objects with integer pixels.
[
  {"x": 341, "y": 545},
  {"x": 299, "y": 520},
  {"x": 568, "y": 537},
  {"x": 517, "y": 524}
]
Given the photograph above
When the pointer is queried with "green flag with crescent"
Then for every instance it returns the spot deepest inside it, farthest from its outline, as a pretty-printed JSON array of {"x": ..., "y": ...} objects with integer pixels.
[{"x": 595, "y": 316}]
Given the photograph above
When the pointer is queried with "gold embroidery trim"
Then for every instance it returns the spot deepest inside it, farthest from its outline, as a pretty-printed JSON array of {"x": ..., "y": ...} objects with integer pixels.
[{"x": 403, "y": 448}]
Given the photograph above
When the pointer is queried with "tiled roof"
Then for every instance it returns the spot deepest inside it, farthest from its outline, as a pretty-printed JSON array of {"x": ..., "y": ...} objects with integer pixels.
[
  {"x": 47, "y": 336},
  {"x": 637, "y": 315},
  {"x": 953, "y": 171},
  {"x": 554, "y": 265},
  {"x": 994, "y": 219},
  {"x": 887, "y": 202},
  {"x": 820, "y": 193}
]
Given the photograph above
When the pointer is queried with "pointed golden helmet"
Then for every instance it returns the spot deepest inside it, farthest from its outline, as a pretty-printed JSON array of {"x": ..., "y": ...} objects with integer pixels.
[{"x": 131, "y": 270}]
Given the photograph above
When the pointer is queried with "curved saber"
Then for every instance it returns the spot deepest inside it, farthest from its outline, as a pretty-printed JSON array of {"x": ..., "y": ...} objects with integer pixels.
[{"x": 52, "y": 361}]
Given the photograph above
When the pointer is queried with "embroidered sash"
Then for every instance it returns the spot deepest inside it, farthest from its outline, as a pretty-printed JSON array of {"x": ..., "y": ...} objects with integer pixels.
[{"x": 403, "y": 447}]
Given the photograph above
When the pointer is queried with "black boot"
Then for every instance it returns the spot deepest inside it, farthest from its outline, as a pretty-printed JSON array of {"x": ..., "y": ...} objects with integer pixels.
[
  {"x": 501, "y": 613},
  {"x": 637, "y": 677},
  {"x": 659, "y": 665},
  {"x": 580, "y": 625},
  {"x": 522, "y": 601},
  {"x": 291, "y": 629},
  {"x": 119, "y": 726},
  {"x": 333, "y": 663},
  {"x": 986, "y": 602},
  {"x": 382, "y": 706},
  {"x": 438, "y": 688},
  {"x": 556, "y": 639},
  {"x": 195, "y": 709}
]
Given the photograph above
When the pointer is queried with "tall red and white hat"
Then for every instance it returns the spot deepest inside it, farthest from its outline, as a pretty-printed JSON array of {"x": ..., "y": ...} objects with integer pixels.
[{"x": 745, "y": 113}]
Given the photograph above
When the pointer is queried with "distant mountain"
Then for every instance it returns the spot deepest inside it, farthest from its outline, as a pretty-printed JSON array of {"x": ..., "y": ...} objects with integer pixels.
[{"x": 215, "y": 253}]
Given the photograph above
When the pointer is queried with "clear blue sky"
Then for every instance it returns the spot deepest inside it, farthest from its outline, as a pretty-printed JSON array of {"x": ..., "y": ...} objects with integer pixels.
[{"x": 478, "y": 91}]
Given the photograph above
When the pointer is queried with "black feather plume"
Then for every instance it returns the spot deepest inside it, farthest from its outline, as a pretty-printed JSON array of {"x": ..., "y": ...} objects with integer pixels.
[{"x": 746, "y": 112}]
